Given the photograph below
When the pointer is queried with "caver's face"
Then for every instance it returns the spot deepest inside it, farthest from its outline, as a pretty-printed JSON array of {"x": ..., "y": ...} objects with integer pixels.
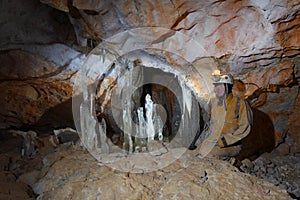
[{"x": 219, "y": 90}]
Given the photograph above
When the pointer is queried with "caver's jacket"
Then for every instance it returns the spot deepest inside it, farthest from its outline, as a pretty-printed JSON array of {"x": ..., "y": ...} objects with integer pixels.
[{"x": 235, "y": 121}]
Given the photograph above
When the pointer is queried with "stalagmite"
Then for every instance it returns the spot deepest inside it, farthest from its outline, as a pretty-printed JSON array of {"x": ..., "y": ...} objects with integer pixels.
[
  {"x": 158, "y": 123},
  {"x": 127, "y": 126},
  {"x": 141, "y": 130},
  {"x": 149, "y": 120}
]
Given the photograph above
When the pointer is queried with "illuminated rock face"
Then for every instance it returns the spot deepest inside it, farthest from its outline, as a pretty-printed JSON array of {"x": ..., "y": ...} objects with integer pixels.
[
  {"x": 256, "y": 41},
  {"x": 187, "y": 178}
]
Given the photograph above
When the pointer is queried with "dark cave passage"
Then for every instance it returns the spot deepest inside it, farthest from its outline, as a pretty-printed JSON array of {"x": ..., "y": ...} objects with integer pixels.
[{"x": 169, "y": 105}]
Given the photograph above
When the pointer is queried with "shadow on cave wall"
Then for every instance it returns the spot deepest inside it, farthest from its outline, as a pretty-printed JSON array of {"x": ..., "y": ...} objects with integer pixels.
[
  {"x": 59, "y": 116},
  {"x": 261, "y": 139}
]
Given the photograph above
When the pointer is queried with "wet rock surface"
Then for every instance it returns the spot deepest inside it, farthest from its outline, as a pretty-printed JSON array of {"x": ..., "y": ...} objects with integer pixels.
[{"x": 65, "y": 171}]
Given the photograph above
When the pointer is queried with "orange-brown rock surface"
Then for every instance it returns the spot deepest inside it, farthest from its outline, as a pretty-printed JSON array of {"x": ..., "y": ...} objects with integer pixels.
[
  {"x": 293, "y": 120},
  {"x": 43, "y": 45},
  {"x": 76, "y": 175},
  {"x": 257, "y": 41}
]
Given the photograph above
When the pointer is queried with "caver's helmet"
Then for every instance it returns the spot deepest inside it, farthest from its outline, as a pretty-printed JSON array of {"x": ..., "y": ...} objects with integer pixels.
[{"x": 217, "y": 78}]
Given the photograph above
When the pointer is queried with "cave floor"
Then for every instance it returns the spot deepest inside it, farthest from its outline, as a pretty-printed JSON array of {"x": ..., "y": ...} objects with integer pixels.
[{"x": 65, "y": 171}]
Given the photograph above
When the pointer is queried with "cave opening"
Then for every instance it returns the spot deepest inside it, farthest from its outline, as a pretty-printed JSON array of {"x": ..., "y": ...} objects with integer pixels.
[{"x": 180, "y": 116}]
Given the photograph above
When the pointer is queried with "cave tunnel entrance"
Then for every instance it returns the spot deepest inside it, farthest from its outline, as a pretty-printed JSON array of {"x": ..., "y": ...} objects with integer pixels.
[
  {"x": 170, "y": 109},
  {"x": 174, "y": 103}
]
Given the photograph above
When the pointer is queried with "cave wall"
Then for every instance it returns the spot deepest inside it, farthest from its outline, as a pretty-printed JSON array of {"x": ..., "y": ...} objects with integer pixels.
[
  {"x": 294, "y": 125},
  {"x": 37, "y": 62},
  {"x": 43, "y": 45}
]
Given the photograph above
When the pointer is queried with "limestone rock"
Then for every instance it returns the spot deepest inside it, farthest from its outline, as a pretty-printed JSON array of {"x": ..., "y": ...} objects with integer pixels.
[
  {"x": 12, "y": 190},
  {"x": 58, "y": 4},
  {"x": 284, "y": 101},
  {"x": 27, "y": 101},
  {"x": 35, "y": 67},
  {"x": 78, "y": 176},
  {"x": 293, "y": 121},
  {"x": 32, "y": 23},
  {"x": 255, "y": 41},
  {"x": 258, "y": 42},
  {"x": 16, "y": 64},
  {"x": 243, "y": 30}
]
